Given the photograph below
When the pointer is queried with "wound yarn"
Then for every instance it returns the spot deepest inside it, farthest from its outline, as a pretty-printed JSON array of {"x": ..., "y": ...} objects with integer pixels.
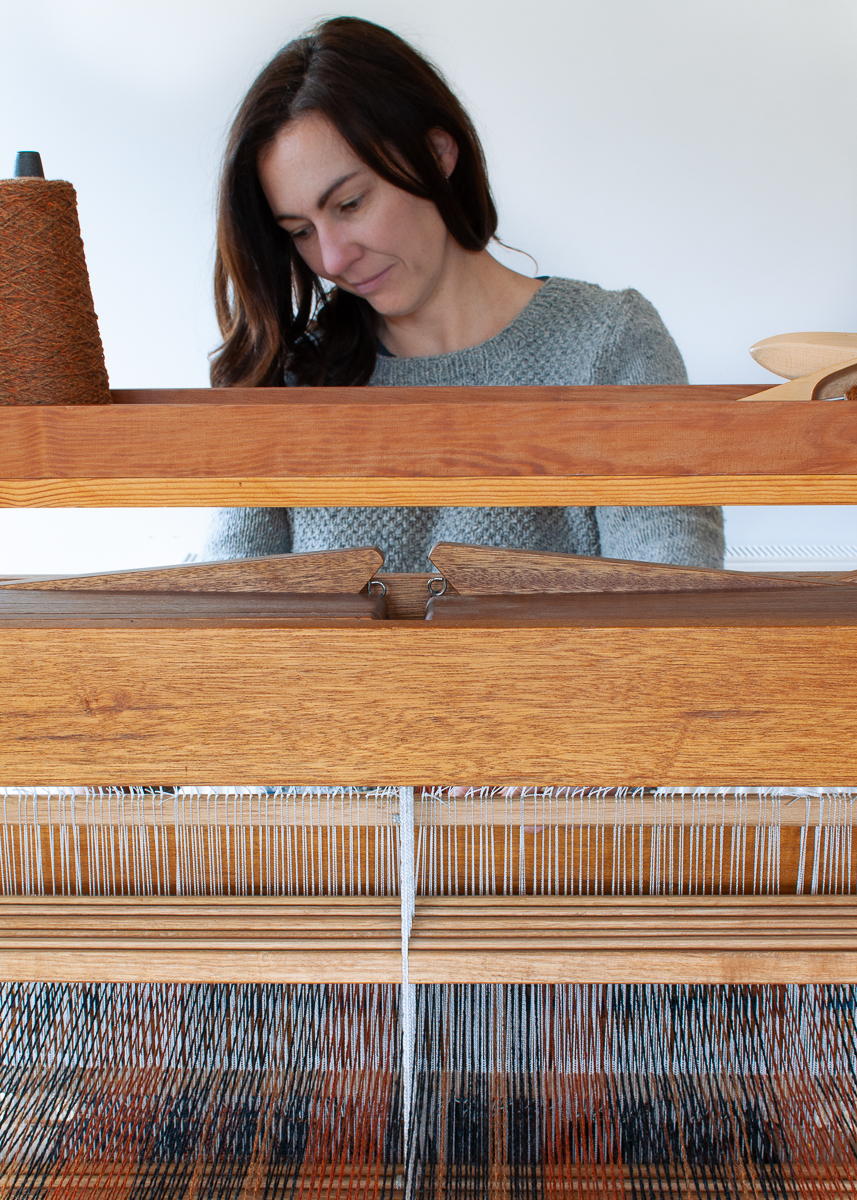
[{"x": 50, "y": 348}]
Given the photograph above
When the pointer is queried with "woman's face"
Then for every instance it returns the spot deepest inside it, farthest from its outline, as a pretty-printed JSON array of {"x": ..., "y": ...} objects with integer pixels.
[{"x": 349, "y": 225}]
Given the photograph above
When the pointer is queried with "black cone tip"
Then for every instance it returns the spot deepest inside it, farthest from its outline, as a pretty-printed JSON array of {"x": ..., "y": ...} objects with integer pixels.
[{"x": 28, "y": 165}]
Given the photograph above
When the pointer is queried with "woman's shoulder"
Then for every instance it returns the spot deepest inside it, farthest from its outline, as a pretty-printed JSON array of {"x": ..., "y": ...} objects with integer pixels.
[
  {"x": 574, "y": 302},
  {"x": 600, "y": 336},
  {"x": 569, "y": 333}
]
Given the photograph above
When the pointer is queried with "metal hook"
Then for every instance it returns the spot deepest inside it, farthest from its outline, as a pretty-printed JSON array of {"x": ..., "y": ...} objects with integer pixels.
[
  {"x": 437, "y": 579},
  {"x": 381, "y": 584}
]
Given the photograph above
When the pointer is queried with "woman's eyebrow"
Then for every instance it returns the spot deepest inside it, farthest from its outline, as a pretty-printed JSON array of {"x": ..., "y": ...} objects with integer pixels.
[{"x": 323, "y": 198}]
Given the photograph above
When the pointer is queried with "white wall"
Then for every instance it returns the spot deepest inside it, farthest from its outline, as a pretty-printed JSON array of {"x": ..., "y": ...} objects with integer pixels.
[{"x": 703, "y": 151}]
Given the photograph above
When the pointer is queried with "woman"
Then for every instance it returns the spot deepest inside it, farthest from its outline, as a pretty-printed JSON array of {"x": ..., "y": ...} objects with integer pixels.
[{"x": 355, "y": 212}]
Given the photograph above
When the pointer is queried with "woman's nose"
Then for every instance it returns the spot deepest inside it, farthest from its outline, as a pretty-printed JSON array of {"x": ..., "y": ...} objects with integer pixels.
[{"x": 338, "y": 252}]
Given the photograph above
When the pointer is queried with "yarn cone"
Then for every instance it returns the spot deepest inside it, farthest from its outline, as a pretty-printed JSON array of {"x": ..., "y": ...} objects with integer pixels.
[{"x": 50, "y": 348}]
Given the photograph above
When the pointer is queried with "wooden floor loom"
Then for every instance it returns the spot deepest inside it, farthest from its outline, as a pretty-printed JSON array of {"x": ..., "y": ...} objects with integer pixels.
[{"x": 537, "y": 886}]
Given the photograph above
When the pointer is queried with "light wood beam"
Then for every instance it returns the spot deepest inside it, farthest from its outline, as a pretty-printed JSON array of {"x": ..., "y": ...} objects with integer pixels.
[
  {"x": 643, "y": 702},
  {"x": 321, "y": 571},
  {"x": 196, "y": 940},
  {"x": 474, "y": 446},
  {"x": 690, "y": 939}
]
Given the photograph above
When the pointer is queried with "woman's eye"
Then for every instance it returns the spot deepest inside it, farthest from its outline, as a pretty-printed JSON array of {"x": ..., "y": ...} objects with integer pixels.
[
  {"x": 298, "y": 234},
  {"x": 350, "y": 205}
]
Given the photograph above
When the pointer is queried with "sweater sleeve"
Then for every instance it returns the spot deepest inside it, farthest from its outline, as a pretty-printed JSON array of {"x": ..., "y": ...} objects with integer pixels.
[
  {"x": 640, "y": 350},
  {"x": 248, "y": 533}
]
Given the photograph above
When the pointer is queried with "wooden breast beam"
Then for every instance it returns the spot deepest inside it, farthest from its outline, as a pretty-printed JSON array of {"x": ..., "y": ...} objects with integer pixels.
[{"x": 461, "y": 446}]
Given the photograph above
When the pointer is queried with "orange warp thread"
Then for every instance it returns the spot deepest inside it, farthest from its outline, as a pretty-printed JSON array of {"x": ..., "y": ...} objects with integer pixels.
[{"x": 50, "y": 348}]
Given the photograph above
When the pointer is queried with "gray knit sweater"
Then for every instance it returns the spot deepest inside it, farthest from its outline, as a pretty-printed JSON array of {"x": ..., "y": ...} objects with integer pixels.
[{"x": 569, "y": 333}]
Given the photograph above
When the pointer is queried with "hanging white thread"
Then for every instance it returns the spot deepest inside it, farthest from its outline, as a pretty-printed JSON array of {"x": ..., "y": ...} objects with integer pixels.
[{"x": 407, "y": 893}]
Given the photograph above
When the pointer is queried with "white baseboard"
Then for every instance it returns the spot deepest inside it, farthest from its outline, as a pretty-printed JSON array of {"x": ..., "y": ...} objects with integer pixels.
[{"x": 791, "y": 558}]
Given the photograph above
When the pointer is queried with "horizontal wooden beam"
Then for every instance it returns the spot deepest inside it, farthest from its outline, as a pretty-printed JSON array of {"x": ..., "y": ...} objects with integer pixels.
[
  {"x": 819, "y": 606},
  {"x": 391, "y": 702},
  {"x": 681, "y": 939},
  {"x": 72, "y": 608},
  {"x": 201, "y": 940},
  {"x": 465, "y": 492},
  {"x": 499, "y": 571},
  {"x": 473, "y": 446},
  {"x": 315, "y": 572},
  {"x": 476, "y": 939}
]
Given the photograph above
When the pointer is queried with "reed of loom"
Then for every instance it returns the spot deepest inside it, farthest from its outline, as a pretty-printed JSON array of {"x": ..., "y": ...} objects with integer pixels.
[{"x": 226, "y": 958}]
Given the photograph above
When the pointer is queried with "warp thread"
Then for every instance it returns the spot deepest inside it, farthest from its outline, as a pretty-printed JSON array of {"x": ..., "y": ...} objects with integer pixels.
[
  {"x": 430, "y": 1091},
  {"x": 50, "y": 348}
]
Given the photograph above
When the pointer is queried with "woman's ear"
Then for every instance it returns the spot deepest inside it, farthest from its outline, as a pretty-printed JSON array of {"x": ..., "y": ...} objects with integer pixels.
[{"x": 446, "y": 149}]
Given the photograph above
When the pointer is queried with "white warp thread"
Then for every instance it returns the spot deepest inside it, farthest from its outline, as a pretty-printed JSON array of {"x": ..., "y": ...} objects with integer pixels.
[{"x": 407, "y": 891}]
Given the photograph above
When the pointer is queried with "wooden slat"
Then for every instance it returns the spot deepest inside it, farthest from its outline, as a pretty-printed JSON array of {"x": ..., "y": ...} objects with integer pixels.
[
  {"x": 821, "y": 606},
  {"x": 400, "y": 701},
  {"x": 454, "y": 940},
  {"x": 830, "y": 383},
  {"x": 496, "y": 571},
  {"x": 792, "y": 355},
  {"x": 472, "y": 492},
  {"x": 777, "y": 939},
  {"x": 473, "y": 396},
  {"x": 185, "y": 940},
  {"x": 319, "y": 571},
  {"x": 476, "y": 446},
  {"x": 151, "y": 610}
]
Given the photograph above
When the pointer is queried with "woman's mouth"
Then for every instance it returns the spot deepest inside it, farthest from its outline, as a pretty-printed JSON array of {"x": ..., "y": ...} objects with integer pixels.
[{"x": 369, "y": 285}]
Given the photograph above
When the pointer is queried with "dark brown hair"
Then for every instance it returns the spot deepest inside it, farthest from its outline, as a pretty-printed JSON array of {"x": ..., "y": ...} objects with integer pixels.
[{"x": 384, "y": 98}]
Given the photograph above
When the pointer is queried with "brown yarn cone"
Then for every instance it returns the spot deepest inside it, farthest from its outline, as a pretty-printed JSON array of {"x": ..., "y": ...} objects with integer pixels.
[{"x": 50, "y": 348}]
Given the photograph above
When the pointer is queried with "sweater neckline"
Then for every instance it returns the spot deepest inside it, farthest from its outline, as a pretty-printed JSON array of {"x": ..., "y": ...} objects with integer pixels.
[{"x": 385, "y": 355}]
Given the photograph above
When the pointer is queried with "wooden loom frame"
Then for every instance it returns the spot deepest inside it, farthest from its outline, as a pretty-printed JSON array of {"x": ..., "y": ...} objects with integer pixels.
[{"x": 400, "y": 701}]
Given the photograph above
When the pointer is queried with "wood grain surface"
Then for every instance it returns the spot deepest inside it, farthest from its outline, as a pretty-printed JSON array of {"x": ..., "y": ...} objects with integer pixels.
[
  {"x": 793, "y": 355},
  {"x": 693, "y": 939},
  {"x": 813, "y": 607},
  {"x": 830, "y": 383},
  {"x": 467, "y": 492},
  {"x": 32, "y": 608},
  {"x": 494, "y": 570},
  {"x": 407, "y": 595},
  {"x": 434, "y": 446},
  {"x": 721, "y": 939},
  {"x": 210, "y": 940},
  {"x": 408, "y": 701},
  {"x": 319, "y": 571},
  {"x": 286, "y": 397}
]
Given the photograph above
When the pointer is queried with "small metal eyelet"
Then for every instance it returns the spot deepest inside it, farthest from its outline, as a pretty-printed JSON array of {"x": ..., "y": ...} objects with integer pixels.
[
  {"x": 380, "y": 583},
  {"x": 437, "y": 591}
]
